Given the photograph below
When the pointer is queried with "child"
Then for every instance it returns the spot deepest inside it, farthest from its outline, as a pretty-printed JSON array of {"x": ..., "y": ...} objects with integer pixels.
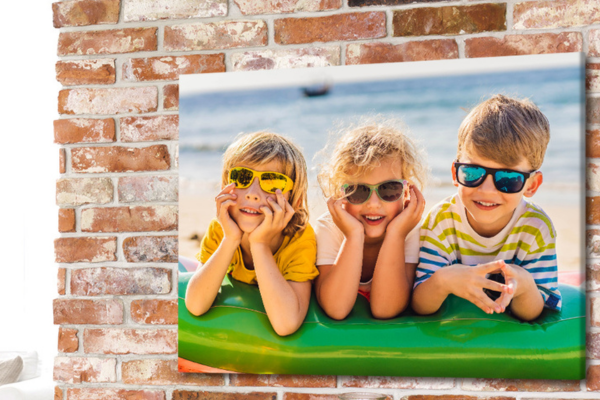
[
  {"x": 261, "y": 234},
  {"x": 366, "y": 243},
  {"x": 488, "y": 228}
]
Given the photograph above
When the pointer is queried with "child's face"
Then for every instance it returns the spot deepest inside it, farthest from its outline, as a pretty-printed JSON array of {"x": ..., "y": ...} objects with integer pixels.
[
  {"x": 375, "y": 214},
  {"x": 489, "y": 210},
  {"x": 247, "y": 213}
]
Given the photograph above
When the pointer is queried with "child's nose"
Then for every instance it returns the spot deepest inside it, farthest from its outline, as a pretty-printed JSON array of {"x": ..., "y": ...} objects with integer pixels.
[
  {"x": 253, "y": 191},
  {"x": 488, "y": 184},
  {"x": 374, "y": 200}
]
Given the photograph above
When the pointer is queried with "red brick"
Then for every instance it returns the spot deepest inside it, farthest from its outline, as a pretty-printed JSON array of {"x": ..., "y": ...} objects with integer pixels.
[
  {"x": 84, "y": 130},
  {"x": 592, "y": 272},
  {"x": 592, "y": 143},
  {"x": 593, "y": 110},
  {"x": 155, "y": 312},
  {"x": 76, "y": 311},
  {"x": 595, "y": 311},
  {"x": 140, "y": 129},
  {"x": 62, "y": 161},
  {"x": 79, "y": 191},
  {"x": 120, "y": 281},
  {"x": 456, "y": 397},
  {"x": 187, "y": 395},
  {"x": 108, "y": 101},
  {"x": 452, "y": 20},
  {"x": 171, "y": 97},
  {"x": 521, "y": 385},
  {"x": 152, "y": 10},
  {"x": 85, "y": 12},
  {"x": 148, "y": 188},
  {"x": 555, "y": 14},
  {"x": 168, "y": 68},
  {"x": 350, "y": 26},
  {"x": 594, "y": 43},
  {"x": 593, "y": 177},
  {"x": 58, "y": 393},
  {"x": 67, "y": 340},
  {"x": 593, "y": 378},
  {"x": 592, "y": 81},
  {"x": 129, "y": 219},
  {"x": 314, "y": 396},
  {"x": 85, "y": 249},
  {"x": 86, "y": 72},
  {"x": 130, "y": 341},
  {"x": 593, "y": 345},
  {"x": 253, "y": 7},
  {"x": 314, "y": 381},
  {"x": 60, "y": 281},
  {"x": 66, "y": 220},
  {"x": 592, "y": 210},
  {"x": 164, "y": 372},
  {"x": 151, "y": 249},
  {"x": 286, "y": 58},
  {"x": 120, "y": 159},
  {"x": 113, "y": 394},
  {"x": 82, "y": 369},
  {"x": 514, "y": 45},
  {"x": 373, "y": 53},
  {"x": 115, "y": 41},
  {"x": 215, "y": 35},
  {"x": 593, "y": 242},
  {"x": 392, "y": 382}
]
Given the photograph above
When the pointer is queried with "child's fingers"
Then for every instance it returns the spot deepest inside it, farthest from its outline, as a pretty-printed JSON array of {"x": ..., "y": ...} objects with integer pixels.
[
  {"x": 268, "y": 215},
  {"x": 289, "y": 213},
  {"x": 491, "y": 267},
  {"x": 280, "y": 199},
  {"x": 493, "y": 285},
  {"x": 223, "y": 210},
  {"x": 223, "y": 197},
  {"x": 482, "y": 301},
  {"x": 277, "y": 211},
  {"x": 227, "y": 189}
]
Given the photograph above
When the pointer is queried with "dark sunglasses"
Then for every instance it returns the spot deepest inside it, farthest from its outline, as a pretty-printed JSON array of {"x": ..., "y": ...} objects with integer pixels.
[
  {"x": 505, "y": 180},
  {"x": 388, "y": 191},
  {"x": 269, "y": 181}
]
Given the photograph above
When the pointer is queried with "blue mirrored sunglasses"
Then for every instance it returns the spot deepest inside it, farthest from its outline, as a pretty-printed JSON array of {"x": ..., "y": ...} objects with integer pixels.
[{"x": 505, "y": 180}]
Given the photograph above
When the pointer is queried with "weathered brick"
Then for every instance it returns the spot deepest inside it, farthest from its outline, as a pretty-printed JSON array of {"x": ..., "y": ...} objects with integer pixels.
[
  {"x": 392, "y": 382},
  {"x": 129, "y": 219},
  {"x": 79, "y": 191},
  {"x": 85, "y": 369},
  {"x": 152, "y": 10},
  {"x": 592, "y": 272},
  {"x": 593, "y": 378},
  {"x": 171, "y": 97},
  {"x": 252, "y": 7},
  {"x": 314, "y": 381},
  {"x": 66, "y": 220},
  {"x": 456, "y": 397},
  {"x": 130, "y": 341},
  {"x": 363, "y": 3},
  {"x": 187, "y": 395},
  {"x": 452, "y": 20},
  {"x": 169, "y": 68},
  {"x": 592, "y": 143},
  {"x": 593, "y": 177},
  {"x": 120, "y": 281},
  {"x": 521, "y": 385},
  {"x": 60, "y": 281},
  {"x": 84, "y": 130},
  {"x": 593, "y": 110},
  {"x": 120, "y": 159},
  {"x": 350, "y": 26},
  {"x": 592, "y": 210},
  {"x": 77, "y": 311},
  {"x": 58, "y": 393},
  {"x": 113, "y": 394},
  {"x": 315, "y": 396},
  {"x": 592, "y": 81},
  {"x": 154, "y": 312},
  {"x": 85, "y": 249},
  {"x": 593, "y": 345},
  {"x": 148, "y": 188},
  {"x": 555, "y": 14},
  {"x": 215, "y": 35},
  {"x": 514, "y": 45},
  {"x": 108, "y": 101},
  {"x": 85, "y": 12},
  {"x": 67, "y": 340},
  {"x": 593, "y": 242},
  {"x": 114, "y": 41},
  {"x": 594, "y": 43},
  {"x": 595, "y": 311},
  {"x": 164, "y": 372},
  {"x": 151, "y": 249},
  {"x": 373, "y": 53},
  {"x": 62, "y": 161},
  {"x": 140, "y": 129},
  {"x": 86, "y": 72},
  {"x": 286, "y": 58}
]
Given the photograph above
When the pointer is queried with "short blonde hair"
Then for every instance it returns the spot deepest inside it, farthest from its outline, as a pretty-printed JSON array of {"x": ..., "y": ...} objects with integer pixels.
[
  {"x": 366, "y": 146},
  {"x": 505, "y": 130},
  {"x": 263, "y": 147}
]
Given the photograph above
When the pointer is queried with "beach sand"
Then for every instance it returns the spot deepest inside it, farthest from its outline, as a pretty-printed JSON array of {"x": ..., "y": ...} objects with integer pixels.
[{"x": 196, "y": 211}]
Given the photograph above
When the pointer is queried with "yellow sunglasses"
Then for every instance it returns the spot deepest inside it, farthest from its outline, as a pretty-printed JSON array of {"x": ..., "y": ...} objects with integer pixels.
[{"x": 269, "y": 181}]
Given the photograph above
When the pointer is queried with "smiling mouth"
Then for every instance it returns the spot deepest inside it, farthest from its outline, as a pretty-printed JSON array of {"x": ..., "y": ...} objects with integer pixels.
[
  {"x": 486, "y": 204},
  {"x": 249, "y": 212},
  {"x": 373, "y": 219}
]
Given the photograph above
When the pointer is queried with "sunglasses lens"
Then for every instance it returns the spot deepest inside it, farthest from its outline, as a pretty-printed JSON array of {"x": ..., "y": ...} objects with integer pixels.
[
  {"x": 271, "y": 181},
  {"x": 390, "y": 191},
  {"x": 470, "y": 176},
  {"x": 509, "y": 181},
  {"x": 357, "y": 194},
  {"x": 242, "y": 177}
]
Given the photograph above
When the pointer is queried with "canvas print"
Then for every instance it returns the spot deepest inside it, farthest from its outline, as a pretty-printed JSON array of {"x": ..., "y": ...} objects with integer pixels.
[{"x": 408, "y": 219}]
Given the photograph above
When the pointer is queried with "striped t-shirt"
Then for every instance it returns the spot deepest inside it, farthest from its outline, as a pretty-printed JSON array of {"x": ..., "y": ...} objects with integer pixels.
[{"x": 528, "y": 240}]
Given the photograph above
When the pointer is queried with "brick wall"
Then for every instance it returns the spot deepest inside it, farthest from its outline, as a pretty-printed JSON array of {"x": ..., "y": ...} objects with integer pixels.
[{"x": 119, "y": 63}]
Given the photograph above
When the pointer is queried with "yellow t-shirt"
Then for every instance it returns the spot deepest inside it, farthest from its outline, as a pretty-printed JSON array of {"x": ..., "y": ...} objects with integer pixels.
[{"x": 295, "y": 258}]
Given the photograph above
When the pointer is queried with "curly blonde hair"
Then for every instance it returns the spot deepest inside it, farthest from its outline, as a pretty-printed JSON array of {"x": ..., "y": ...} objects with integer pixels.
[
  {"x": 263, "y": 147},
  {"x": 361, "y": 148}
]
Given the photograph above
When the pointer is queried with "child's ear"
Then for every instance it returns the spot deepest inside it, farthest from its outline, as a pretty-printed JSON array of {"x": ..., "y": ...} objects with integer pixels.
[
  {"x": 453, "y": 169},
  {"x": 534, "y": 184}
]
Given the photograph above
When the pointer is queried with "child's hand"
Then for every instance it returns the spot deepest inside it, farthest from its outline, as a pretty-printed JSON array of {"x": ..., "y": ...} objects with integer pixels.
[
  {"x": 277, "y": 215},
  {"x": 347, "y": 223},
  {"x": 510, "y": 279},
  {"x": 408, "y": 218},
  {"x": 225, "y": 199}
]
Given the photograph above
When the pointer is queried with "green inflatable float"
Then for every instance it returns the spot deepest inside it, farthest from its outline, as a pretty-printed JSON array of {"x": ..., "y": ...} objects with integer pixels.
[{"x": 457, "y": 341}]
